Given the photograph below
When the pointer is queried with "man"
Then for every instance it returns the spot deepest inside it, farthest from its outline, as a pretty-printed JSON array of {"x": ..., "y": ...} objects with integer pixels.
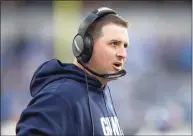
[{"x": 74, "y": 99}]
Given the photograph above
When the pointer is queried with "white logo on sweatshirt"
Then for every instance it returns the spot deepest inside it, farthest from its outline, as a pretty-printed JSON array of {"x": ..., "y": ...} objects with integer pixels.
[{"x": 111, "y": 126}]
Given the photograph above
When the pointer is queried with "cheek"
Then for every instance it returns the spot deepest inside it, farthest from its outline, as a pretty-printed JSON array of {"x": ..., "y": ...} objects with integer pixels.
[
  {"x": 102, "y": 55},
  {"x": 105, "y": 58},
  {"x": 99, "y": 56}
]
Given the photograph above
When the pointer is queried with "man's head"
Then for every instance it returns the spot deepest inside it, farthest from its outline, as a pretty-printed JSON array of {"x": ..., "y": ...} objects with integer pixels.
[
  {"x": 110, "y": 42},
  {"x": 110, "y": 39}
]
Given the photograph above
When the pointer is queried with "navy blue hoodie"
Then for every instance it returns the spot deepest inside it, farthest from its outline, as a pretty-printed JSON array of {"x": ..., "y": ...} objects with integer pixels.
[{"x": 67, "y": 101}]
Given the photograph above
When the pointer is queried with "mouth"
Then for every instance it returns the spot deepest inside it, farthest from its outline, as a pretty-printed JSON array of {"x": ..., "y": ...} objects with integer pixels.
[{"x": 117, "y": 66}]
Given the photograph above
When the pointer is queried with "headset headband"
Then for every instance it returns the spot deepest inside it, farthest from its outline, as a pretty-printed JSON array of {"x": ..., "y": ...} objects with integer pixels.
[{"x": 95, "y": 15}]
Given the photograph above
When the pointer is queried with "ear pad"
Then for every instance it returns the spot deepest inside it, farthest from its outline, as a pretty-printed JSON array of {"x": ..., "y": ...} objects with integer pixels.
[
  {"x": 77, "y": 45},
  {"x": 88, "y": 48}
]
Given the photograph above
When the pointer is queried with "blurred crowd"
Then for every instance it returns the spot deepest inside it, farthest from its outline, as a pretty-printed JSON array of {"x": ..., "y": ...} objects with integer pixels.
[{"x": 155, "y": 95}]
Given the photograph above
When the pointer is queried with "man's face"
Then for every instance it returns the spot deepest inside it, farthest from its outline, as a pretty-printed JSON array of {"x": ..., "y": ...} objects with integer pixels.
[{"x": 109, "y": 51}]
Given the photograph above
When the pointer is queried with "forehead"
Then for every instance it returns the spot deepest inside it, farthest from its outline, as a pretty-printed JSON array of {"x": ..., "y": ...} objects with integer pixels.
[{"x": 113, "y": 31}]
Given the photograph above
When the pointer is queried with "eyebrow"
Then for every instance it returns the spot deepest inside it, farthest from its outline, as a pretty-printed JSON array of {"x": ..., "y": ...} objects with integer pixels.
[{"x": 114, "y": 40}]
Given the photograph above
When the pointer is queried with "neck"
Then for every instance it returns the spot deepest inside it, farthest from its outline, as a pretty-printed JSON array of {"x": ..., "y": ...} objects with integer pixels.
[{"x": 103, "y": 81}]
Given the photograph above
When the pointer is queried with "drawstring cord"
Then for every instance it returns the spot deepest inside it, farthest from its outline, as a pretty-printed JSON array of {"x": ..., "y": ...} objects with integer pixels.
[
  {"x": 112, "y": 102},
  {"x": 87, "y": 89},
  {"x": 107, "y": 111}
]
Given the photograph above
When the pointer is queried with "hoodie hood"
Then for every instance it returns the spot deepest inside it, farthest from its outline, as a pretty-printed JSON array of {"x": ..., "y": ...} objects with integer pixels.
[{"x": 54, "y": 70}]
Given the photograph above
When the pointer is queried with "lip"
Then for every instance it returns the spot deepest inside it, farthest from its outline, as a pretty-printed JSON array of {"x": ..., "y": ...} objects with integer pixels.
[{"x": 117, "y": 67}]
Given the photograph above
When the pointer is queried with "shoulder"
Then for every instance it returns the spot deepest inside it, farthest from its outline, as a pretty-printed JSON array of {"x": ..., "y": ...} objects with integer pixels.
[{"x": 69, "y": 90}]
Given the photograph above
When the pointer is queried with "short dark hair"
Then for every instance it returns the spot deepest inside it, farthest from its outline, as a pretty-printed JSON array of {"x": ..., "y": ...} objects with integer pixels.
[{"x": 96, "y": 27}]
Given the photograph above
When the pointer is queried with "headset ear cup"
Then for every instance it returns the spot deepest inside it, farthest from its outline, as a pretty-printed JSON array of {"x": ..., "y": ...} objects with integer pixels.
[
  {"x": 88, "y": 47},
  {"x": 77, "y": 46},
  {"x": 88, "y": 41}
]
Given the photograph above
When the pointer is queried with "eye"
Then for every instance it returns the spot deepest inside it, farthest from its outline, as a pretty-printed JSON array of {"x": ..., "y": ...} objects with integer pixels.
[
  {"x": 114, "y": 43},
  {"x": 125, "y": 45}
]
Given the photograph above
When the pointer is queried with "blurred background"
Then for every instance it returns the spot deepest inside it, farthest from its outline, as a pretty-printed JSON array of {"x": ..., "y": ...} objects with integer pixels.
[{"x": 154, "y": 98}]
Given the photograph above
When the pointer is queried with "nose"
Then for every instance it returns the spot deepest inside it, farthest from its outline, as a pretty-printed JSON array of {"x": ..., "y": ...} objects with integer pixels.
[{"x": 122, "y": 53}]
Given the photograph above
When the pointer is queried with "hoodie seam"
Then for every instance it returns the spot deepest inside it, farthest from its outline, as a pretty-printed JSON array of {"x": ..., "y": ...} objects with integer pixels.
[{"x": 69, "y": 106}]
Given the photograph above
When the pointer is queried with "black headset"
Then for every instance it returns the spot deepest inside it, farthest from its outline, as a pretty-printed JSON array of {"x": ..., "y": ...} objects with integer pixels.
[{"x": 83, "y": 42}]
